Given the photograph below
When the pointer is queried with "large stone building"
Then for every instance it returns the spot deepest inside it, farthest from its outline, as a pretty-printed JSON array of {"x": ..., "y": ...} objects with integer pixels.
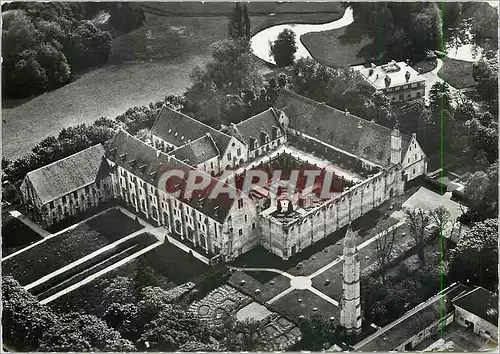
[
  {"x": 67, "y": 187},
  {"x": 398, "y": 81},
  {"x": 370, "y": 164}
]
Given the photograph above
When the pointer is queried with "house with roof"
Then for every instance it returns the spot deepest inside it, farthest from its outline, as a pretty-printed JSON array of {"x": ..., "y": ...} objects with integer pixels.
[
  {"x": 397, "y": 80},
  {"x": 173, "y": 129},
  {"x": 260, "y": 133},
  {"x": 478, "y": 309},
  {"x": 67, "y": 187}
]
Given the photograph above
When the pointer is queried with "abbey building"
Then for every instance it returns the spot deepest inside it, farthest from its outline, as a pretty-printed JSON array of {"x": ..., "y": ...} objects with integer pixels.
[{"x": 369, "y": 163}]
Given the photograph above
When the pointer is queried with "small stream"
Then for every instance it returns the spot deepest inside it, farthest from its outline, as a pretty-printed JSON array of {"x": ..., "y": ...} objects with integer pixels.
[
  {"x": 457, "y": 47},
  {"x": 260, "y": 41}
]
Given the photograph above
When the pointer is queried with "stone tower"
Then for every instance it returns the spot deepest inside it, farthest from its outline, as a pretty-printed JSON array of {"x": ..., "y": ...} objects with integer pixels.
[
  {"x": 396, "y": 148},
  {"x": 350, "y": 305}
]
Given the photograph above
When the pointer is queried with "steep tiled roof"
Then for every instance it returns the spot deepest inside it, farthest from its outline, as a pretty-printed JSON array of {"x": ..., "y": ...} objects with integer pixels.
[
  {"x": 197, "y": 151},
  {"x": 148, "y": 164},
  {"x": 480, "y": 302},
  {"x": 180, "y": 129},
  {"x": 357, "y": 136},
  {"x": 396, "y": 72},
  {"x": 262, "y": 122},
  {"x": 69, "y": 174}
]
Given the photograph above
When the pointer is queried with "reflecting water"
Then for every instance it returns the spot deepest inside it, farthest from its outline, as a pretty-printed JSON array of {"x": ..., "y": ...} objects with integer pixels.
[{"x": 260, "y": 41}]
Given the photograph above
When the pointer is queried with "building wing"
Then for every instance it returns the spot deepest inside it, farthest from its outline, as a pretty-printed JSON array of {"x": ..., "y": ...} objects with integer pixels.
[{"x": 69, "y": 174}]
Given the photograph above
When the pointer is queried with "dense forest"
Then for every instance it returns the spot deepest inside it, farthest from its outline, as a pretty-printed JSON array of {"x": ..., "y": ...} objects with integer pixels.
[{"x": 45, "y": 44}]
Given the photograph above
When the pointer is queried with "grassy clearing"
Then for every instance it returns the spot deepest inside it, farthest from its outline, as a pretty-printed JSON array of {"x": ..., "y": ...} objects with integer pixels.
[
  {"x": 16, "y": 235},
  {"x": 457, "y": 73},
  {"x": 68, "y": 247},
  {"x": 342, "y": 47}
]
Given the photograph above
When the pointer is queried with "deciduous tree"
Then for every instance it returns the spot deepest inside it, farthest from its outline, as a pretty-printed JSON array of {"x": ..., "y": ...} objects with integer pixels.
[
  {"x": 283, "y": 48},
  {"x": 418, "y": 220}
]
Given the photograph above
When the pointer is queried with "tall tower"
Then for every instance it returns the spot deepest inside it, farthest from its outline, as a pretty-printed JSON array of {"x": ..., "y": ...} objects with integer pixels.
[
  {"x": 350, "y": 305},
  {"x": 396, "y": 142}
]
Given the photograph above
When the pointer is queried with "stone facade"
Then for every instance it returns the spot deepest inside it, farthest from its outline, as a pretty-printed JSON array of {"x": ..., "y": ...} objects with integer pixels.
[{"x": 350, "y": 304}]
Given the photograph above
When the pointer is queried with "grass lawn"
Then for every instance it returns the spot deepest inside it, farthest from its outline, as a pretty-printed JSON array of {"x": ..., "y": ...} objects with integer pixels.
[
  {"x": 457, "y": 73},
  {"x": 145, "y": 65},
  {"x": 341, "y": 47},
  {"x": 16, "y": 235},
  {"x": 290, "y": 305},
  {"x": 170, "y": 265},
  {"x": 93, "y": 266},
  {"x": 268, "y": 289},
  {"x": 70, "y": 246}
]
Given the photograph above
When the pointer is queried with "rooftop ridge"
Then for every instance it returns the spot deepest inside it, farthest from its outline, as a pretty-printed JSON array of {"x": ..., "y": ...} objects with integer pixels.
[
  {"x": 188, "y": 117},
  {"x": 64, "y": 158},
  {"x": 324, "y": 105},
  {"x": 255, "y": 116}
]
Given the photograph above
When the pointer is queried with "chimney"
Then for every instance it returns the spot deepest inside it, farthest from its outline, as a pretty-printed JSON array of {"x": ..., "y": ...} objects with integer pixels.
[
  {"x": 346, "y": 112},
  {"x": 387, "y": 81},
  {"x": 373, "y": 66},
  {"x": 370, "y": 72},
  {"x": 407, "y": 76}
]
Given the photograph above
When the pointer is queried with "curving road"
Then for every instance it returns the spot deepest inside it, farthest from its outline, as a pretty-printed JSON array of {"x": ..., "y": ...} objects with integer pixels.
[{"x": 260, "y": 41}]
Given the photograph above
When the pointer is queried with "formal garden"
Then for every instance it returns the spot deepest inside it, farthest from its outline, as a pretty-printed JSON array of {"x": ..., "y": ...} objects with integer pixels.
[
  {"x": 69, "y": 246},
  {"x": 16, "y": 235}
]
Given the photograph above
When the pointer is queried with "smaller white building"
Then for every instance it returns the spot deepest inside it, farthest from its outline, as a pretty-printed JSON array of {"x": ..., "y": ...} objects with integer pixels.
[{"x": 398, "y": 81}]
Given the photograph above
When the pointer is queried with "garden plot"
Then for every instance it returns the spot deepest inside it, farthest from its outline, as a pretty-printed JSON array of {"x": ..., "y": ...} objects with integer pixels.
[
  {"x": 93, "y": 266},
  {"x": 225, "y": 299},
  {"x": 16, "y": 235},
  {"x": 68, "y": 247}
]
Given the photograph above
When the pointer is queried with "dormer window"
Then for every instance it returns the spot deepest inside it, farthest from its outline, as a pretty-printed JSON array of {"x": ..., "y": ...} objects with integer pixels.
[
  {"x": 253, "y": 144},
  {"x": 275, "y": 132}
]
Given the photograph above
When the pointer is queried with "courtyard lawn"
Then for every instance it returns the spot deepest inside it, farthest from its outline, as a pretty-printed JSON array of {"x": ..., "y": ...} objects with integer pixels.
[
  {"x": 290, "y": 305},
  {"x": 145, "y": 65},
  {"x": 457, "y": 73},
  {"x": 341, "y": 47},
  {"x": 69, "y": 246},
  {"x": 16, "y": 235},
  {"x": 268, "y": 289}
]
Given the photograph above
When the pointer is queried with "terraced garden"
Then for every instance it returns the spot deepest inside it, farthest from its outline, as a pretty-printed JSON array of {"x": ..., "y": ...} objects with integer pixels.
[{"x": 69, "y": 246}]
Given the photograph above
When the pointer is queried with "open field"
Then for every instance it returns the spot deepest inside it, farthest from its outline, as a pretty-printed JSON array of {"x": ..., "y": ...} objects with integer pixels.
[
  {"x": 341, "y": 47},
  {"x": 145, "y": 65},
  {"x": 69, "y": 246},
  {"x": 457, "y": 73}
]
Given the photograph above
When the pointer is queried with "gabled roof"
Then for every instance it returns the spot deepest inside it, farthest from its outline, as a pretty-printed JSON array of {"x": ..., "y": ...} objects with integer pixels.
[
  {"x": 352, "y": 134},
  {"x": 197, "y": 151},
  {"x": 480, "y": 302},
  {"x": 69, "y": 174},
  {"x": 148, "y": 163},
  {"x": 179, "y": 129},
  {"x": 262, "y": 122}
]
